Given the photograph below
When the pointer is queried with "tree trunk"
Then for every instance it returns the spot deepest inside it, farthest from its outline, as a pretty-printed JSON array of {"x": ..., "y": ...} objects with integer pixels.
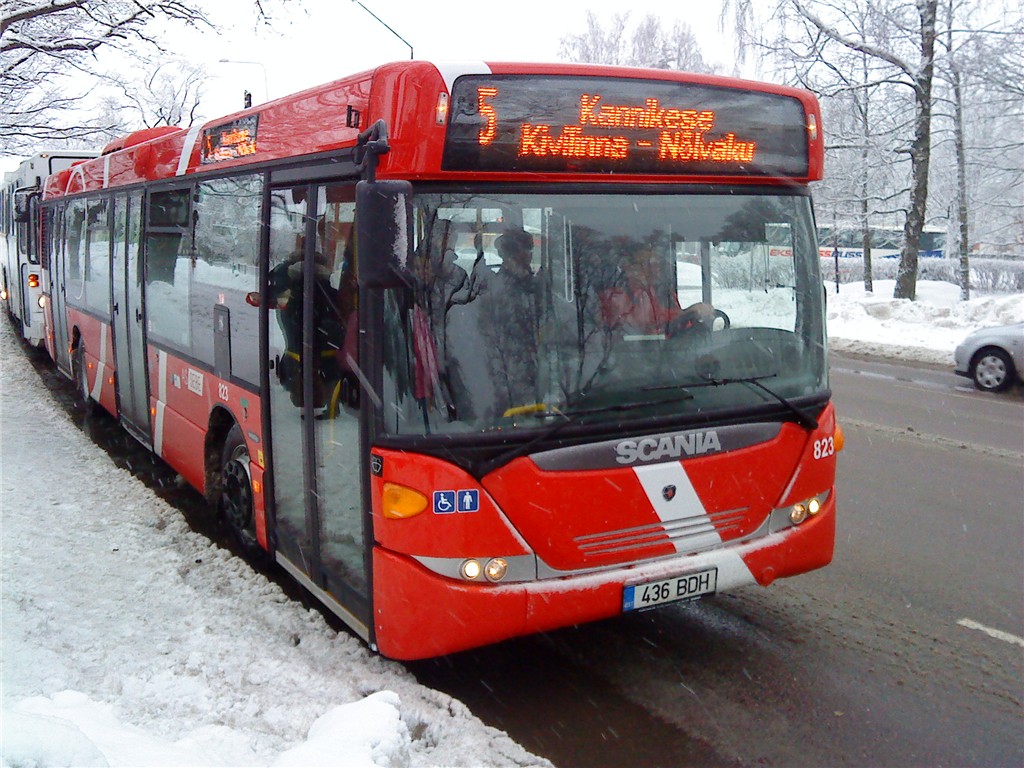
[
  {"x": 920, "y": 150},
  {"x": 865, "y": 207},
  {"x": 961, "y": 173}
]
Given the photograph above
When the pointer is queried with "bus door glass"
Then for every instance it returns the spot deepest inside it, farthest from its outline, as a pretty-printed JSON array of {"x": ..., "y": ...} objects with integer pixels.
[
  {"x": 126, "y": 290},
  {"x": 58, "y": 288},
  {"x": 313, "y": 397}
]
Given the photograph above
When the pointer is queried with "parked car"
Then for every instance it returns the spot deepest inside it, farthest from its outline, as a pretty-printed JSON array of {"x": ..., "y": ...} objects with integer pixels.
[{"x": 992, "y": 357}]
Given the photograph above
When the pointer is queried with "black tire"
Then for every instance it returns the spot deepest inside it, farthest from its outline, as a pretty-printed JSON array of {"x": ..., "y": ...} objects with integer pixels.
[
  {"x": 992, "y": 370},
  {"x": 726, "y": 322},
  {"x": 236, "y": 503},
  {"x": 81, "y": 379}
]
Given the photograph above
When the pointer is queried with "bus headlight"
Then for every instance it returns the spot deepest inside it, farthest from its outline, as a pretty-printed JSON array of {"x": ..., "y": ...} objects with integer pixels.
[
  {"x": 41, "y": 301},
  {"x": 804, "y": 509},
  {"x": 496, "y": 569},
  {"x": 786, "y": 517},
  {"x": 471, "y": 570}
]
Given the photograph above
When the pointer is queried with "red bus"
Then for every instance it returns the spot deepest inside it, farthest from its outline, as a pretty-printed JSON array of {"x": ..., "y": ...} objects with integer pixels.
[{"x": 472, "y": 351}]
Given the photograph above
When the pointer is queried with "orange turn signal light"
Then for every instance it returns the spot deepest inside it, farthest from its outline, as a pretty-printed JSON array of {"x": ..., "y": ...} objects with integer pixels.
[{"x": 400, "y": 503}]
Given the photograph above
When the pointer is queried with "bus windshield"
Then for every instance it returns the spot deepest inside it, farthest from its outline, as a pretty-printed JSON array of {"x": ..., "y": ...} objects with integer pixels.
[{"x": 525, "y": 309}]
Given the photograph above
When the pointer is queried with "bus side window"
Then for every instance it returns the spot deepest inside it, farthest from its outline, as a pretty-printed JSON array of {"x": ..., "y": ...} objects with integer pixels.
[{"x": 168, "y": 258}]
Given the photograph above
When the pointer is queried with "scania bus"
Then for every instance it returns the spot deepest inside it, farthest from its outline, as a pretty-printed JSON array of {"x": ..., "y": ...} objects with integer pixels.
[
  {"x": 477, "y": 350},
  {"x": 20, "y": 269}
]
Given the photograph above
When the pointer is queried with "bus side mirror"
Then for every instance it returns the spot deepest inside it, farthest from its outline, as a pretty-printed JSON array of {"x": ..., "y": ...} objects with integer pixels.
[
  {"x": 384, "y": 233},
  {"x": 22, "y": 202}
]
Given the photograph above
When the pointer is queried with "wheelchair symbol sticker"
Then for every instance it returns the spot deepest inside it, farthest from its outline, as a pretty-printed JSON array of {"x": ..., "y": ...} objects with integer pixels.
[{"x": 444, "y": 502}]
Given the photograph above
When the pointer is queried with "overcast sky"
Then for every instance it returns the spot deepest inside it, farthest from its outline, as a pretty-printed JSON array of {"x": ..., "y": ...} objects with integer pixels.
[
  {"x": 321, "y": 40},
  {"x": 316, "y": 41}
]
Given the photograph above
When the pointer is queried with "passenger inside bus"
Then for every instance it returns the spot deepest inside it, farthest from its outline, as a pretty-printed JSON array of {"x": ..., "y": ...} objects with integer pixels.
[
  {"x": 511, "y": 317},
  {"x": 286, "y": 289},
  {"x": 637, "y": 304}
]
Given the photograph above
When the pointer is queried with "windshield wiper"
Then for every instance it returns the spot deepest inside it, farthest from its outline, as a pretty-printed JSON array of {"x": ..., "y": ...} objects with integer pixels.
[
  {"x": 804, "y": 419},
  {"x": 569, "y": 416}
]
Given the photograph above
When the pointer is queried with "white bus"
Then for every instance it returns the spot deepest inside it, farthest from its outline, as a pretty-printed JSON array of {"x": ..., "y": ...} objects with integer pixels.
[{"x": 20, "y": 269}]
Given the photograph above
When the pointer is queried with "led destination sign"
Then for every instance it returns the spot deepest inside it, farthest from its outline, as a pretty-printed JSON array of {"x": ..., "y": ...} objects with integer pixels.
[
  {"x": 606, "y": 125},
  {"x": 230, "y": 140}
]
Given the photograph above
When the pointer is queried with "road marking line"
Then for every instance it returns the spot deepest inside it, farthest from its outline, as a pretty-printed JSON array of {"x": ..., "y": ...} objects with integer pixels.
[
  {"x": 998, "y": 634},
  {"x": 947, "y": 442}
]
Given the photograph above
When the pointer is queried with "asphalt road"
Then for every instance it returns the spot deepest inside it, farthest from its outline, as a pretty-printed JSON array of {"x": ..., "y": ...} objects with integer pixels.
[{"x": 906, "y": 651}]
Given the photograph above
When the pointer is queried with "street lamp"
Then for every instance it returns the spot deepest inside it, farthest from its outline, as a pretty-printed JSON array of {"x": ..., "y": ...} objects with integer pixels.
[
  {"x": 385, "y": 25},
  {"x": 266, "y": 89}
]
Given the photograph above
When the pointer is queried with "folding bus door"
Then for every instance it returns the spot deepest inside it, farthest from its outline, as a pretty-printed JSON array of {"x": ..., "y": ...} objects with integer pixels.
[
  {"x": 126, "y": 290},
  {"x": 319, "y": 511},
  {"x": 58, "y": 310}
]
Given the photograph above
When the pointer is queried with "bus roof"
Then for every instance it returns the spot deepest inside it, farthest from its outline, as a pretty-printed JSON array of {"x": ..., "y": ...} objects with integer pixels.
[{"x": 409, "y": 97}]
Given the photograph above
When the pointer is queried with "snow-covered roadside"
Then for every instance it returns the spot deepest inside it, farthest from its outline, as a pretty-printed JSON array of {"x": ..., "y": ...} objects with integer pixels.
[
  {"x": 130, "y": 640},
  {"x": 926, "y": 330}
]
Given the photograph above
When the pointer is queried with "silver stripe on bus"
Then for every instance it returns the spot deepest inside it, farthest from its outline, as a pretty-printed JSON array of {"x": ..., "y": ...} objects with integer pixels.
[
  {"x": 106, "y": 171},
  {"x": 186, "y": 150},
  {"x": 158, "y": 429},
  {"x": 673, "y": 497},
  {"x": 161, "y": 380}
]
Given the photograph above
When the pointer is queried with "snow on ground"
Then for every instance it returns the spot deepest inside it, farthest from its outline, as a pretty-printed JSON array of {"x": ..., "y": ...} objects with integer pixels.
[
  {"x": 926, "y": 330},
  {"x": 130, "y": 640}
]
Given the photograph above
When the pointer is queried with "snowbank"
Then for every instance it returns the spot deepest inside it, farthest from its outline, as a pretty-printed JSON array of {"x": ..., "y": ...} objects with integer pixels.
[
  {"x": 130, "y": 640},
  {"x": 926, "y": 330}
]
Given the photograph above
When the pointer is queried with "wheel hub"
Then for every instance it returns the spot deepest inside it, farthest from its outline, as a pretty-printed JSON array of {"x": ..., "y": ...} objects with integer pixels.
[{"x": 237, "y": 496}]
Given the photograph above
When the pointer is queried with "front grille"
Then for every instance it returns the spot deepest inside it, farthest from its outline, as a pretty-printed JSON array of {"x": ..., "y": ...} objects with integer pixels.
[{"x": 693, "y": 531}]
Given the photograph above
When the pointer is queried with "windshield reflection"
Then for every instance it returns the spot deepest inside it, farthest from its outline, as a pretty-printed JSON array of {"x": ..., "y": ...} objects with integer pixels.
[{"x": 524, "y": 308}]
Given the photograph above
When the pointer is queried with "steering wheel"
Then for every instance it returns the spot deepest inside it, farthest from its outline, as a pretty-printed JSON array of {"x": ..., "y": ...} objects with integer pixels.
[{"x": 720, "y": 315}]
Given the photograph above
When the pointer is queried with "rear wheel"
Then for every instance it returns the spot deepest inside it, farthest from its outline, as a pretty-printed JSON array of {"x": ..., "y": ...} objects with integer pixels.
[
  {"x": 81, "y": 378},
  {"x": 992, "y": 370},
  {"x": 236, "y": 491}
]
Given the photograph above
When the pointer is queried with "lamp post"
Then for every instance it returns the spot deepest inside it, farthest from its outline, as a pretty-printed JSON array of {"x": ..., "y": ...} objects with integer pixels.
[
  {"x": 385, "y": 25},
  {"x": 266, "y": 88}
]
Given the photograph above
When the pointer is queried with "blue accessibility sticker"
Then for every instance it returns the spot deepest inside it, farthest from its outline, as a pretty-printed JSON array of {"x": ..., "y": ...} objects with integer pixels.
[
  {"x": 444, "y": 502},
  {"x": 469, "y": 500}
]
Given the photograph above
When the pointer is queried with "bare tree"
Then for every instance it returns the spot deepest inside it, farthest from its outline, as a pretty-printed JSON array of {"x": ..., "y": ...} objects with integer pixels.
[
  {"x": 48, "y": 51},
  {"x": 168, "y": 93},
  {"x": 647, "y": 44},
  {"x": 862, "y": 54},
  {"x": 984, "y": 110}
]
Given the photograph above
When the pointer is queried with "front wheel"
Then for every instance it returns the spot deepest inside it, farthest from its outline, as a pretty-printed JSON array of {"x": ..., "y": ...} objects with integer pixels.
[
  {"x": 992, "y": 370},
  {"x": 236, "y": 501}
]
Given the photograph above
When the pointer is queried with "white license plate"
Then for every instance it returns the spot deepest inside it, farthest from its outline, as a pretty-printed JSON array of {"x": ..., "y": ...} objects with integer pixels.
[{"x": 688, "y": 587}]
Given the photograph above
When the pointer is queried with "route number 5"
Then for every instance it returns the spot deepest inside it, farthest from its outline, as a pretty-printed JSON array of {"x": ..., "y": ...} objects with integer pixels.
[{"x": 490, "y": 130}]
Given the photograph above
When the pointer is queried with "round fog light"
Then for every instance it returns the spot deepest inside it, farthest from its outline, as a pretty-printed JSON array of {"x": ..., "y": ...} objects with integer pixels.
[
  {"x": 471, "y": 569},
  {"x": 496, "y": 569},
  {"x": 814, "y": 506},
  {"x": 798, "y": 514}
]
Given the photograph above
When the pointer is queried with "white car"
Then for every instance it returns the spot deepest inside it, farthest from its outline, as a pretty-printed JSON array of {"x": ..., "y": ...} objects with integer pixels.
[{"x": 992, "y": 357}]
